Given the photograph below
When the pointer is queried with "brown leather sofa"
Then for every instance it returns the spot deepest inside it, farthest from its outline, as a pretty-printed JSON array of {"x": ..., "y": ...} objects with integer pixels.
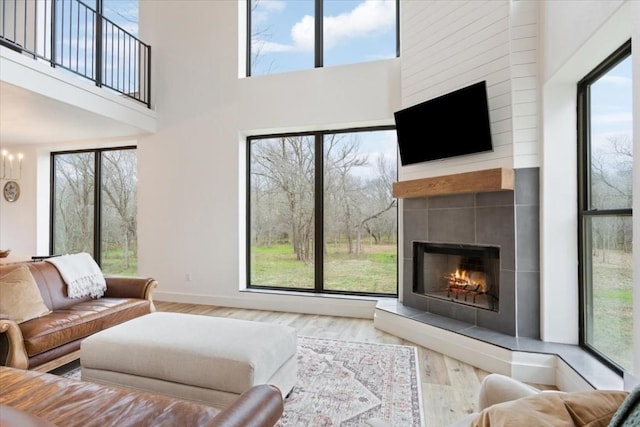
[
  {"x": 29, "y": 398},
  {"x": 46, "y": 342}
]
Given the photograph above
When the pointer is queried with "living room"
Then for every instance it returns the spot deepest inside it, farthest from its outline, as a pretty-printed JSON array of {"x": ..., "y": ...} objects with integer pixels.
[{"x": 191, "y": 143}]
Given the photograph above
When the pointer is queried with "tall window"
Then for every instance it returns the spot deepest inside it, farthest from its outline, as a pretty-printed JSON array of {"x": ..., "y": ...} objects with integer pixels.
[
  {"x": 605, "y": 164},
  {"x": 321, "y": 214},
  {"x": 296, "y": 35},
  {"x": 94, "y": 206}
]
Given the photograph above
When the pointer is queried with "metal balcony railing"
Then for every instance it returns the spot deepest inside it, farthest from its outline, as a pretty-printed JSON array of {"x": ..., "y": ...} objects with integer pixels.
[{"x": 73, "y": 36}]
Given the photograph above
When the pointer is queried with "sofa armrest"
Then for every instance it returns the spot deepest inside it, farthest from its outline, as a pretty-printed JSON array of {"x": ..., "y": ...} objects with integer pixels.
[
  {"x": 130, "y": 287},
  {"x": 260, "y": 406},
  {"x": 17, "y": 353}
]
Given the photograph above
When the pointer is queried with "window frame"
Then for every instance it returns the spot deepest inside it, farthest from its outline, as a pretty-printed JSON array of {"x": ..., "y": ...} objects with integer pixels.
[
  {"x": 318, "y": 215},
  {"x": 97, "y": 196},
  {"x": 585, "y": 211},
  {"x": 318, "y": 48}
]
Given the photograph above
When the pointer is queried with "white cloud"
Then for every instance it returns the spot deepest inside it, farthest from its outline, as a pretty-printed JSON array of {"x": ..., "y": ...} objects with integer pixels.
[
  {"x": 368, "y": 17},
  {"x": 302, "y": 34},
  {"x": 264, "y": 46}
]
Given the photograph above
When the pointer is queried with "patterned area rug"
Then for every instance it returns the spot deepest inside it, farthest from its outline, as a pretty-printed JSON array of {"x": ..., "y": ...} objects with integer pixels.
[{"x": 344, "y": 383}]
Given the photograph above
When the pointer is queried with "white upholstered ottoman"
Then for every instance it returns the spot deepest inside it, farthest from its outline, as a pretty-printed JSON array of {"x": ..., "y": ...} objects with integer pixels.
[{"x": 205, "y": 359}]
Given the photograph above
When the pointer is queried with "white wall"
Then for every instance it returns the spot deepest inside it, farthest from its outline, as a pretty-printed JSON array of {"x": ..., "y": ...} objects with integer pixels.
[{"x": 191, "y": 192}]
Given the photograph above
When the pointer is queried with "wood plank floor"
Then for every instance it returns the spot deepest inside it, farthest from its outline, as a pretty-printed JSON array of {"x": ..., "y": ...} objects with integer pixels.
[{"x": 449, "y": 387}]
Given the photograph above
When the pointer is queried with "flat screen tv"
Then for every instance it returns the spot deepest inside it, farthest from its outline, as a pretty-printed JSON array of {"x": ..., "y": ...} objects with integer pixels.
[{"x": 450, "y": 125}]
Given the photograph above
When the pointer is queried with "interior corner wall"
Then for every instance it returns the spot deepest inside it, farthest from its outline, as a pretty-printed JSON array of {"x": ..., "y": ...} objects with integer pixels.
[{"x": 575, "y": 37}]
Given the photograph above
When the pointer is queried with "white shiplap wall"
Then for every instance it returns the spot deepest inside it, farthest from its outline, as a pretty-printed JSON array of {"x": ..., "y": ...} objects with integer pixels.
[
  {"x": 524, "y": 83},
  {"x": 452, "y": 44}
]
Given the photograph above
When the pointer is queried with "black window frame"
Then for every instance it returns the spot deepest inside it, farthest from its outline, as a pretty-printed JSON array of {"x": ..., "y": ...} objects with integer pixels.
[
  {"x": 97, "y": 197},
  {"x": 318, "y": 215},
  {"x": 585, "y": 211},
  {"x": 318, "y": 36}
]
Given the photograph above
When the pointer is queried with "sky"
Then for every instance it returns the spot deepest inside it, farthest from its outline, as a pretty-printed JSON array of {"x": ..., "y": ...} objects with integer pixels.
[
  {"x": 611, "y": 104},
  {"x": 354, "y": 31}
]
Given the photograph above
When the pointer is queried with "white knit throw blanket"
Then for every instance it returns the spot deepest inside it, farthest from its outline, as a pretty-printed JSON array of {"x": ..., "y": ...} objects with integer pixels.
[{"x": 81, "y": 274}]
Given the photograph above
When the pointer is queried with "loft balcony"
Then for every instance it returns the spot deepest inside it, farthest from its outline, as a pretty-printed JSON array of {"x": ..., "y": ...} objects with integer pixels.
[
  {"x": 69, "y": 35},
  {"x": 68, "y": 74}
]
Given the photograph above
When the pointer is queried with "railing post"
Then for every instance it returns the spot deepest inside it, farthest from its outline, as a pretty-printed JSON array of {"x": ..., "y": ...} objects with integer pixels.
[
  {"x": 54, "y": 6},
  {"x": 98, "y": 49},
  {"x": 148, "y": 85}
]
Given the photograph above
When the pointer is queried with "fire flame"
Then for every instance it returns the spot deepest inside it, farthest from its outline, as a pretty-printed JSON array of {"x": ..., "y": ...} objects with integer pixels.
[{"x": 462, "y": 278}]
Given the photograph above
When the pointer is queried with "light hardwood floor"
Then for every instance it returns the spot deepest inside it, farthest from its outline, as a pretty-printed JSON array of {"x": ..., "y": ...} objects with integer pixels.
[{"x": 449, "y": 387}]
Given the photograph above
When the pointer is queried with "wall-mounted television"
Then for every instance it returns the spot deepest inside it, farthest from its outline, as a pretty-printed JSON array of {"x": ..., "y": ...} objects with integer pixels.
[{"x": 450, "y": 125}]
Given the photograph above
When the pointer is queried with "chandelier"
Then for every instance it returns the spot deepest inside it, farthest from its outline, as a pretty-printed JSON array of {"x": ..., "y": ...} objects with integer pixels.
[{"x": 11, "y": 166}]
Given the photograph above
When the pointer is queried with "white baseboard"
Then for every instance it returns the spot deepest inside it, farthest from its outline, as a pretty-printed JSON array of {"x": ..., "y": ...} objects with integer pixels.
[{"x": 328, "y": 305}]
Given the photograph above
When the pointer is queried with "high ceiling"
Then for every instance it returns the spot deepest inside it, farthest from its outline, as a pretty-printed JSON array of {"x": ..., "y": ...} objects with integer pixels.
[{"x": 30, "y": 118}]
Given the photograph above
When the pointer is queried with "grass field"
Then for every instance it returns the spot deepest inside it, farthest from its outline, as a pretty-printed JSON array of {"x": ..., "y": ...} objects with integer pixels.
[
  {"x": 113, "y": 263},
  {"x": 373, "y": 271},
  {"x": 613, "y": 306}
]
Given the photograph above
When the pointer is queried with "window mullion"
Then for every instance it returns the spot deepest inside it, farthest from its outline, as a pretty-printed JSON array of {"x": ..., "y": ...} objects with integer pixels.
[
  {"x": 318, "y": 242},
  {"x": 97, "y": 208},
  {"x": 319, "y": 34}
]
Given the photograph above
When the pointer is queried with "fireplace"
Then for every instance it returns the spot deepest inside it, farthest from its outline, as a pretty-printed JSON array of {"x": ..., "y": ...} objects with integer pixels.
[
  {"x": 504, "y": 220},
  {"x": 460, "y": 273}
]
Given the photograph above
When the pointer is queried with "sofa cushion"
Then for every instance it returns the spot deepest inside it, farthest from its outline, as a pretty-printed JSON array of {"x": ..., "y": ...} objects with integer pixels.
[
  {"x": 20, "y": 297},
  {"x": 593, "y": 408},
  {"x": 79, "y": 321}
]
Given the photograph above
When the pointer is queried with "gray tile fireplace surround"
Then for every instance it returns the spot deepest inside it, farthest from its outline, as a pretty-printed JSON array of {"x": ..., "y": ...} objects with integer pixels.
[{"x": 508, "y": 219}]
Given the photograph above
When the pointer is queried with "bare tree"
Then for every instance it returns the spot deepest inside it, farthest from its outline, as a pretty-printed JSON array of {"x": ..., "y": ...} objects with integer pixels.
[
  {"x": 75, "y": 185},
  {"x": 342, "y": 155},
  {"x": 611, "y": 188},
  {"x": 381, "y": 199},
  {"x": 259, "y": 36},
  {"x": 288, "y": 163},
  {"x": 356, "y": 203},
  {"x": 75, "y": 201},
  {"x": 119, "y": 170}
]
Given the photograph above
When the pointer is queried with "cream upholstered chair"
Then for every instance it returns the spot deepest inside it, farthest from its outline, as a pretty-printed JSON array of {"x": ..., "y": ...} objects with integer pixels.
[{"x": 505, "y": 401}]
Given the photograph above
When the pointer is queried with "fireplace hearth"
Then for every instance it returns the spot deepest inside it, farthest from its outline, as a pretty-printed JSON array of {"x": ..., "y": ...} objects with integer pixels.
[{"x": 460, "y": 273}]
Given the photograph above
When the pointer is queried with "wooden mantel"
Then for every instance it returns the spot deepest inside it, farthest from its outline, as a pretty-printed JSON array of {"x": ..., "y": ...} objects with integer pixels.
[{"x": 498, "y": 179}]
